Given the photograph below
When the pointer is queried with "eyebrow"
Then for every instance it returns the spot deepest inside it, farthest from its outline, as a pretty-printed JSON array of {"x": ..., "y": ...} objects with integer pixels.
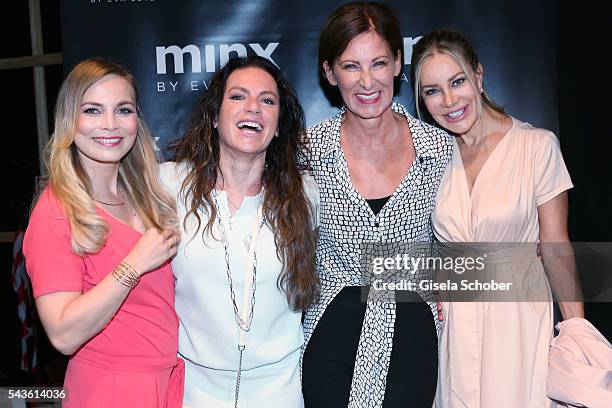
[
  {"x": 100, "y": 105},
  {"x": 449, "y": 80},
  {"x": 239, "y": 88},
  {"x": 373, "y": 59}
]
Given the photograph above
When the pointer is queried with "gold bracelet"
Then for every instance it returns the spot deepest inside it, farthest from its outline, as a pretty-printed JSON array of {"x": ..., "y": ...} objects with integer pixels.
[
  {"x": 123, "y": 277},
  {"x": 125, "y": 274},
  {"x": 129, "y": 269},
  {"x": 131, "y": 274}
]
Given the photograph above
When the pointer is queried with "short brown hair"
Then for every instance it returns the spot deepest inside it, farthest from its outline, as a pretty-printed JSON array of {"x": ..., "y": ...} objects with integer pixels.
[{"x": 353, "y": 19}]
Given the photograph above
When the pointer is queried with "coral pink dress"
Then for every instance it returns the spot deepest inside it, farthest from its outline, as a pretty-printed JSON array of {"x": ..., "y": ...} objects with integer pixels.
[
  {"x": 133, "y": 361},
  {"x": 492, "y": 353}
]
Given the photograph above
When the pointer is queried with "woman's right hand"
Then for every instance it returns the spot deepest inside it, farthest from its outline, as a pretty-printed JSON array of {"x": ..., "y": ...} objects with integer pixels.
[{"x": 153, "y": 249}]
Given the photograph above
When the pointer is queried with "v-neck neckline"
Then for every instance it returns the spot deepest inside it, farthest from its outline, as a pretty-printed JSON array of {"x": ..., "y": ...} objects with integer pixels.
[
  {"x": 118, "y": 221},
  {"x": 418, "y": 157},
  {"x": 486, "y": 162}
]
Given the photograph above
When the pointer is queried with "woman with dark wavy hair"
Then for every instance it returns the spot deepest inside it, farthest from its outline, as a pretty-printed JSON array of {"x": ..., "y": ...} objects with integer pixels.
[{"x": 245, "y": 270}]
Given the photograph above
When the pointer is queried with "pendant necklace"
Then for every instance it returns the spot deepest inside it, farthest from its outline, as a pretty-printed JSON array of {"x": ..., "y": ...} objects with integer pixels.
[{"x": 244, "y": 318}]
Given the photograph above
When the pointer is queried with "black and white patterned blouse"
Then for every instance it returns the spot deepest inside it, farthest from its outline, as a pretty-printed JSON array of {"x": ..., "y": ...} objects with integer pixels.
[{"x": 347, "y": 223}]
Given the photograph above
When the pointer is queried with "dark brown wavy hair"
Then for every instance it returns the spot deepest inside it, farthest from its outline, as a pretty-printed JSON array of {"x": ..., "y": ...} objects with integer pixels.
[{"x": 286, "y": 208}]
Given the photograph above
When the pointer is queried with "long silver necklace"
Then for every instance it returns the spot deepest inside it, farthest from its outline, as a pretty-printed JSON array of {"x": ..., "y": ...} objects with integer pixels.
[{"x": 244, "y": 322}]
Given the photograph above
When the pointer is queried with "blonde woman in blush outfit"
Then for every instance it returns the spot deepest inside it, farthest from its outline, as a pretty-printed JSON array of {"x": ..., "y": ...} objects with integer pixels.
[{"x": 506, "y": 182}]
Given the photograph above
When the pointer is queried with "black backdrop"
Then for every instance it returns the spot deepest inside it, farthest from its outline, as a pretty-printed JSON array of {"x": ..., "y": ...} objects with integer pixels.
[
  {"x": 543, "y": 62},
  {"x": 172, "y": 48},
  {"x": 570, "y": 61}
]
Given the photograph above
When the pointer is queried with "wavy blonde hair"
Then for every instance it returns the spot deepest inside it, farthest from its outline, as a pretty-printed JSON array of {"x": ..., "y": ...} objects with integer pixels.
[
  {"x": 456, "y": 45},
  {"x": 138, "y": 169}
]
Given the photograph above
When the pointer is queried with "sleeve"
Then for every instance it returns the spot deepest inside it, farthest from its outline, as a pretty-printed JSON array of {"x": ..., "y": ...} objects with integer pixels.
[
  {"x": 50, "y": 262},
  {"x": 172, "y": 175},
  {"x": 312, "y": 193},
  {"x": 169, "y": 177},
  {"x": 551, "y": 175}
]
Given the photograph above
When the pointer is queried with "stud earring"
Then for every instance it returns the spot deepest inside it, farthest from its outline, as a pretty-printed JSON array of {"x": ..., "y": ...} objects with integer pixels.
[{"x": 481, "y": 90}]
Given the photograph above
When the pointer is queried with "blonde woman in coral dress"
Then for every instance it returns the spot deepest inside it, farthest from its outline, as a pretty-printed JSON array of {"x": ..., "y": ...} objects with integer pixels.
[
  {"x": 506, "y": 183},
  {"x": 98, "y": 246}
]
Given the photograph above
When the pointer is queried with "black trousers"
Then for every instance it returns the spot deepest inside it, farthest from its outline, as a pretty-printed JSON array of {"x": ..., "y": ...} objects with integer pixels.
[{"x": 329, "y": 358}]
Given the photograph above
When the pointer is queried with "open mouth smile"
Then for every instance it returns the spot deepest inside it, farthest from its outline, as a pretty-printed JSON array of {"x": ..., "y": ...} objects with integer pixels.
[
  {"x": 108, "y": 141},
  {"x": 253, "y": 126},
  {"x": 369, "y": 98}
]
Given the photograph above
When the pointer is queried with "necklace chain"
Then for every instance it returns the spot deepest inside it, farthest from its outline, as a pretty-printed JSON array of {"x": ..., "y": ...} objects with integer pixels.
[
  {"x": 124, "y": 202},
  {"x": 111, "y": 204},
  {"x": 244, "y": 325},
  {"x": 232, "y": 203},
  {"x": 127, "y": 202},
  {"x": 229, "y": 200}
]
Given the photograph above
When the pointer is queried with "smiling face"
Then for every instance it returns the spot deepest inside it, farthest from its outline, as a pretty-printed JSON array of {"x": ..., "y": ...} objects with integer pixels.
[
  {"x": 248, "y": 116},
  {"x": 107, "y": 124},
  {"x": 448, "y": 93},
  {"x": 364, "y": 74}
]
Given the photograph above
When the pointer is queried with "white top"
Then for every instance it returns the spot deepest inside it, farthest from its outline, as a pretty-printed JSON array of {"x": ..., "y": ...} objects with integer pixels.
[{"x": 208, "y": 332}]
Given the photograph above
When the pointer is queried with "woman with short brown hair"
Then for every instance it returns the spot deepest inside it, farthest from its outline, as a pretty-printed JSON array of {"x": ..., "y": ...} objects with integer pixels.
[{"x": 377, "y": 169}]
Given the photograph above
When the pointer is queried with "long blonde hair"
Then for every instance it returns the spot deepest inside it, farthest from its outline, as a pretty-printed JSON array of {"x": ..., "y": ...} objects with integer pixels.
[
  {"x": 454, "y": 44},
  {"x": 138, "y": 169}
]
